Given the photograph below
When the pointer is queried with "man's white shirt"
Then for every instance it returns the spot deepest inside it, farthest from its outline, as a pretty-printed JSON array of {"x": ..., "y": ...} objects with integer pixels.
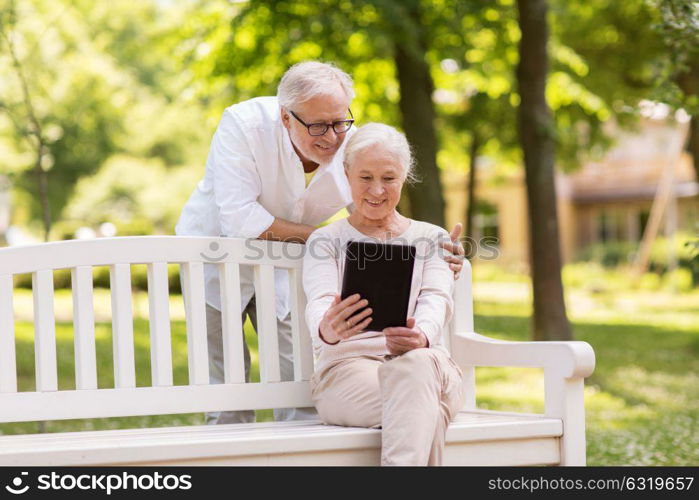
[{"x": 252, "y": 176}]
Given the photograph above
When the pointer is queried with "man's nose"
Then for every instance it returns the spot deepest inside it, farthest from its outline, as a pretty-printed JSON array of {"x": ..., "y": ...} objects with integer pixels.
[{"x": 330, "y": 135}]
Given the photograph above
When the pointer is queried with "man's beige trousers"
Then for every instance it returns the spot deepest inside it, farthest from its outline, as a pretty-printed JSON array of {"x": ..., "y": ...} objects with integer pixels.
[{"x": 413, "y": 398}]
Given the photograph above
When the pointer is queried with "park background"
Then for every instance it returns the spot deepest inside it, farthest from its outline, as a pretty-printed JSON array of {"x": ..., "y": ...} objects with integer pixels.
[{"x": 107, "y": 110}]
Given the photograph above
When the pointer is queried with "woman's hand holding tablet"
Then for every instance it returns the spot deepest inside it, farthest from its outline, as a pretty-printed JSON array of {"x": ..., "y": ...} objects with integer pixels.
[
  {"x": 401, "y": 339},
  {"x": 341, "y": 322}
]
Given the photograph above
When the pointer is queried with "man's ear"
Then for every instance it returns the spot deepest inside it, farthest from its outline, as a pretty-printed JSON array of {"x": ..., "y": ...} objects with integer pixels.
[{"x": 285, "y": 117}]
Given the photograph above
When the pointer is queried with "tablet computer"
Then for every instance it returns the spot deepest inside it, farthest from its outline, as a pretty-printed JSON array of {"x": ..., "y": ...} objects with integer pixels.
[{"x": 381, "y": 273}]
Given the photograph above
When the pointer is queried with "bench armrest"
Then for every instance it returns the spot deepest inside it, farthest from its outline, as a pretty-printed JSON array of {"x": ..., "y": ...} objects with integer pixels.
[
  {"x": 569, "y": 359},
  {"x": 565, "y": 364}
]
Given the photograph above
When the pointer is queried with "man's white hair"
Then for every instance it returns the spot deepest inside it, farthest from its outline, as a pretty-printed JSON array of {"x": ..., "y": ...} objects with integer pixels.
[
  {"x": 379, "y": 135},
  {"x": 308, "y": 79}
]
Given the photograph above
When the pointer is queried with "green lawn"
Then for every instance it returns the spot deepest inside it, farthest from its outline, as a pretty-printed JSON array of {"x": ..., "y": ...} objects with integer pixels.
[{"x": 642, "y": 401}]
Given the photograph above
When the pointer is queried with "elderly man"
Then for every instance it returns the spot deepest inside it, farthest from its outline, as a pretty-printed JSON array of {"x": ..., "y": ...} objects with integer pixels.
[{"x": 274, "y": 172}]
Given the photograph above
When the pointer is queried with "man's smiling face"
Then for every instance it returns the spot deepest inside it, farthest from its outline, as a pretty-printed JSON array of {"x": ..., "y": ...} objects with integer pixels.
[{"x": 319, "y": 109}]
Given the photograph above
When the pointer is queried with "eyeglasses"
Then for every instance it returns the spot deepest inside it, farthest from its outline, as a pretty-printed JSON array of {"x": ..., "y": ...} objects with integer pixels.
[{"x": 316, "y": 129}]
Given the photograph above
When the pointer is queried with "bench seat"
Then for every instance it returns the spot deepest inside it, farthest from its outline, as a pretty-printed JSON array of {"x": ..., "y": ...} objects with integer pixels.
[{"x": 475, "y": 437}]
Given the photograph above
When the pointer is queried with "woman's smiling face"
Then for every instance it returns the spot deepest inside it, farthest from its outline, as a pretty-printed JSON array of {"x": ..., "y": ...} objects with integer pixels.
[{"x": 376, "y": 180}]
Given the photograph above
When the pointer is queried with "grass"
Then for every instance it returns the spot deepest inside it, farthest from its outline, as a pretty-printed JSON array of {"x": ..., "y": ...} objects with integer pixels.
[
  {"x": 24, "y": 335},
  {"x": 642, "y": 400}
]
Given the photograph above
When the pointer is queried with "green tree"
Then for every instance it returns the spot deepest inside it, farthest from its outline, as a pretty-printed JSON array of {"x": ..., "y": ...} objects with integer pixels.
[
  {"x": 92, "y": 80},
  {"x": 679, "y": 29},
  {"x": 58, "y": 107},
  {"x": 388, "y": 46}
]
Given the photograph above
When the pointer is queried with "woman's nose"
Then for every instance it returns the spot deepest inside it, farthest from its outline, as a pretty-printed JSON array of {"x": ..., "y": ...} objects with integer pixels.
[{"x": 376, "y": 189}]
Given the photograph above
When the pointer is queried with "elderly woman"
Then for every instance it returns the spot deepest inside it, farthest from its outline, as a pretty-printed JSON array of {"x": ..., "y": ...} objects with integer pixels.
[{"x": 401, "y": 379}]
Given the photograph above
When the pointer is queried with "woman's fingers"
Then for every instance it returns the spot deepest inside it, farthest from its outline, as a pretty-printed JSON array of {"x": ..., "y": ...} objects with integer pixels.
[
  {"x": 338, "y": 306},
  {"x": 343, "y": 321},
  {"x": 403, "y": 340},
  {"x": 355, "y": 323},
  {"x": 359, "y": 327},
  {"x": 354, "y": 320},
  {"x": 349, "y": 311},
  {"x": 344, "y": 304},
  {"x": 349, "y": 301},
  {"x": 397, "y": 346}
]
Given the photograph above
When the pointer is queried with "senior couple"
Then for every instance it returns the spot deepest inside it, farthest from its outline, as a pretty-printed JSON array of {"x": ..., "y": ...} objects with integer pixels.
[{"x": 277, "y": 168}]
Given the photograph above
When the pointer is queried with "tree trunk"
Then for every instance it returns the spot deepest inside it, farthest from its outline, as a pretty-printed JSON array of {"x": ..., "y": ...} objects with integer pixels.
[
  {"x": 417, "y": 109},
  {"x": 536, "y": 128},
  {"x": 35, "y": 131},
  {"x": 471, "y": 249},
  {"x": 43, "y": 188}
]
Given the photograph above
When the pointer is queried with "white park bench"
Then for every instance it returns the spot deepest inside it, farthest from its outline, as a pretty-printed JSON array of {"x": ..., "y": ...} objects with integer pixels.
[{"x": 476, "y": 437}]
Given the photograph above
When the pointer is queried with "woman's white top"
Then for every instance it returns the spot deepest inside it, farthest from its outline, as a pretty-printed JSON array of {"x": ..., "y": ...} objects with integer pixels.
[{"x": 430, "y": 302}]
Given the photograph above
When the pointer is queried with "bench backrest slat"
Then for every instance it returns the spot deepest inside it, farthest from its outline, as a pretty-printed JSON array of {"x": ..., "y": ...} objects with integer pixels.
[
  {"x": 232, "y": 257},
  {"x": 122, "y": 326},
  {"x": 195, "y": 316},
  {"x": 301, "y": 340},
  {"x": 8, "y": 367},
  {"x": 44, "y": 331},
  {"x": 159, "y": 314},
  {"x": 268, "y": 344},
  {"x": 84, "y": 328},
  {"x": 231, "y": 323}
]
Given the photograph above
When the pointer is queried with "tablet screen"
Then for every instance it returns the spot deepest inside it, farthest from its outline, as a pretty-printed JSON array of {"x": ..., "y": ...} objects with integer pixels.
[{"x": 381, "y": 273}]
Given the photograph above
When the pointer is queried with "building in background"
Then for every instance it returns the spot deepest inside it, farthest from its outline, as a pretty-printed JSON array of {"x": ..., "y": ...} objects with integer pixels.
[{"x": 604, "y": 201}]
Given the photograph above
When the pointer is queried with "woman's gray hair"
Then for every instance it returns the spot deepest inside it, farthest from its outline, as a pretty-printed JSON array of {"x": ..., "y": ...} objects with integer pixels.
[
  {"x": 374, "y": 135},
  {"x": 307, "y": 79}
]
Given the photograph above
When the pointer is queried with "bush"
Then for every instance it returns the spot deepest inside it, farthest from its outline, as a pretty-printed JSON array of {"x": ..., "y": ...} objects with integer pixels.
[
  {"x": 680, "y": 280},
  {"x": 618, "y": 254},
  {"x": 650, "y": 281},
  {"x": 100, "y": 278},
  {"x": 611, "y": 254},
  {"x": 135, "y": 227},
  {"x": 490, "y": 272},
  {"x": 65, "y": 229},
  {"x": 583, "y": 274}
]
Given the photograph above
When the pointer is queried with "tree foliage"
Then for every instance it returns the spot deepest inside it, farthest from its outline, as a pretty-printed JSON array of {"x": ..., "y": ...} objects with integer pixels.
[{"x": 103, "y": 79}]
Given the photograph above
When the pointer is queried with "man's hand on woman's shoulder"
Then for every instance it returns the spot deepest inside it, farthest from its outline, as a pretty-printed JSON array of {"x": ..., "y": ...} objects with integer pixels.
[{"x": 456, "y": 249}]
